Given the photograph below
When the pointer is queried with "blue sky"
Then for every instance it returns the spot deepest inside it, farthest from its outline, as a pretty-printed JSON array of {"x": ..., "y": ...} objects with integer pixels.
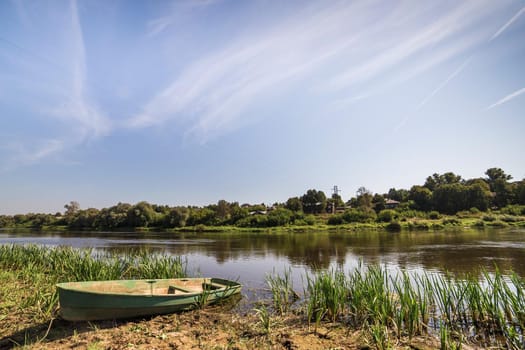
[{"x": 188, "y": 102}]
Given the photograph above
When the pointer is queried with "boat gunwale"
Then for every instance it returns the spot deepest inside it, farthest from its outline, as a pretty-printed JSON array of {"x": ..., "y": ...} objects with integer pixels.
[{"x": 68, "y": 286}]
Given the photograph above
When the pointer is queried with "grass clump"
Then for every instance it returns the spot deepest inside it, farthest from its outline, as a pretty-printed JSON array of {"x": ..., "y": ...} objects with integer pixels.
[
  {"x": 386, "y": 305},
  {"x": 36, "y": 270}
]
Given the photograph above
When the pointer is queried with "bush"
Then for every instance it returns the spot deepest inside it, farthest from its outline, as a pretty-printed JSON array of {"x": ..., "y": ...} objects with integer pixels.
[
  {"x": 355, "y": 215},
  {"x": 451, "y": 222},
  {"x": 309, "y": 219},
  {"x": 335, "y": 220},
  {"x": 474, "y": 210},
  {"x": 489, "y": 218},
  {"x": 510, "y": 218},
  {"x": 434, "y": 215},
  {"x": 513, "y": 210},
  {"x": 386, "y": 215}
]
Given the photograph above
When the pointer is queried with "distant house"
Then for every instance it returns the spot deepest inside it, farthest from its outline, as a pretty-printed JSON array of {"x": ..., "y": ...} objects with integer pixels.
[{"x": 391, "y": 204}]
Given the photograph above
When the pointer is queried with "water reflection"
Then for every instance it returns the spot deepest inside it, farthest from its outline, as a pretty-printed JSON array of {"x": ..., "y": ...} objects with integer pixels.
[{"x": 252, "y": 255}]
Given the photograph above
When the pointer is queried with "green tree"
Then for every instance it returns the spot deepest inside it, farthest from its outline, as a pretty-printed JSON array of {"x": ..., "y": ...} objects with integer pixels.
[
  {"x": 280, "y": 217},
  {"x": 422, "y": 198},
  {"x": 478, "y": 196},
  {"x": 494, "y": 174},
  {"x": 314, "y": 202},
  {"x": 294, "y": 204},
  {"x": 436, "y": 180},
  {"x": 400, "y": 195},
  {"x": 364, "y": 198},
  {"x": 176, "y": 217},
  {"x": 378, "y": 202},
  {"x": 450, "y": 198},
  {"x": 72, "y": 208},
  {"x": 519, "y": 192},
  {"x": 141, "y": 215},
  {"x": 498, "y": 182},
  {"x": 223, "y": 210}
]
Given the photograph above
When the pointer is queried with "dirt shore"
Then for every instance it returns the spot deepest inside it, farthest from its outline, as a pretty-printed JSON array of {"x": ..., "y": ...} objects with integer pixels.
[{"x": 212, "y": 328}]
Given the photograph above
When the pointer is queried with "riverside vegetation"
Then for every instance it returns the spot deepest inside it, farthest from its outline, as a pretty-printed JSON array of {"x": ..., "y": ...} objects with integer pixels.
[
  {"x": 443, "y": 200},
  {"x": 368, "y": 306}
]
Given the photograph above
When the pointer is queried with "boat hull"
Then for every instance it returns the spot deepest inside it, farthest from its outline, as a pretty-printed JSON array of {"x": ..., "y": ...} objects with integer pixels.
[{"x": 101, "y": 300}]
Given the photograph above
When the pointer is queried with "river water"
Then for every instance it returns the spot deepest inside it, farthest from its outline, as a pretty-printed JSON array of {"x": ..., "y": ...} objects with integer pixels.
[{"x": 249, "y": 257}]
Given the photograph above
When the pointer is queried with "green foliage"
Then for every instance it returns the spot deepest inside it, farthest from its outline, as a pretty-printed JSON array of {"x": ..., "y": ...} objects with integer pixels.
[
  {"x": 434, "y": 215},
  {"x": 314, "y": 202},
  {"x": 436, "y": 180},
  {"x": 513, "y": 210},
  {"x": 294, "y": 204},
  {"x": 359, "y": 215},
  {"x": 283, "y": 294},
  {"x": 451, "y": 222},
  {"x": 400, "y": 195},
  {"x": 141, "y": 215},
  {"x": 387, "y": 215},
  {"x": 364, "y": 199},
  {"x": 422, "y": 197},
  {"x": 280, "y": 217},
  {"x": 447, "y": 193},
  {"x": 335, "y": 220}
]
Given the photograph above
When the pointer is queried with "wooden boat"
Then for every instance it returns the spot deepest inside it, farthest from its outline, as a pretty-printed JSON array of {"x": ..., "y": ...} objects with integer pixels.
[{"x": 102, "y": 300}]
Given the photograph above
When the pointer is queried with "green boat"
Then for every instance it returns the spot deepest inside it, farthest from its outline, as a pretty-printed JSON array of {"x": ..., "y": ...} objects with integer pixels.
[{"x": 103, "y": 300}]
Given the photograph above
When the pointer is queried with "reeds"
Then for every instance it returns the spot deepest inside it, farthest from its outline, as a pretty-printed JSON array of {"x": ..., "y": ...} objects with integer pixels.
[
  {"x": 283, "y": 294},
  {"x": 490, "y": 310},
  {"x": 39, "y": 268},
  {"x": 68, "y": 264}
]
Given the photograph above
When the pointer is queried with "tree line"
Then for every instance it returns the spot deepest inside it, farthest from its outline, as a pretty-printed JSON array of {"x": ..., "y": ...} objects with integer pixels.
[{"x": 446, "y": 193}]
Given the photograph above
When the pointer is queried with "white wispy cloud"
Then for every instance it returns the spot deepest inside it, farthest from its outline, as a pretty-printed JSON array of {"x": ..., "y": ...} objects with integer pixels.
[
  {"x": 178, "y": 11},
  {"x": 507, "y": 98},
  {"x": 434, "y": 92},
  {"x": 77, "y": 107},
  {"x": 348, "y": 44},
  {"x": 22, "y": 154},
  {"x": 74, "y": 108},
  {"x": 508, "y": 23}
]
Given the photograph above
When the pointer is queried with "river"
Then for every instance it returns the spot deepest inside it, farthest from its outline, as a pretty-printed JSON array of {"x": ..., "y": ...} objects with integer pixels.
[{"x": 249, "y": 257}]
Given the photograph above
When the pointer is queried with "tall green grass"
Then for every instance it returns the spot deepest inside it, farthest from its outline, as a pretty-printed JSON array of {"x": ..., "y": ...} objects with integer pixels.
[
  {"x": 39, "y": 268},
  {"x": 490, "y": 310},
  {"x": 283, "y": 294},
  {"x": 69, "y": 264}
]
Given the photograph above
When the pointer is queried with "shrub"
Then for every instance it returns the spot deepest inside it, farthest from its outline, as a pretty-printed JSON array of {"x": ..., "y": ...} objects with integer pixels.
[
  {"x": 386, "y": 215},
  {"x": 513, "y": 210},
  {"x": 489, "y": 218},
  {"x": 309, "y": 219},
  {"x": 510, "y": 218},
  {"x": 434, "y": 215},
  {"x": 451, "y": 221},
  {"x": 355, "y": 215},
  {"x": 335, "y": 220},
  {"x": 474, "y": 210}
]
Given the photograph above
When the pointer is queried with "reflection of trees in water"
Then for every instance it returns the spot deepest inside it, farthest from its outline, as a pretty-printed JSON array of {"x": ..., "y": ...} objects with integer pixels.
[{"x": 456, "y": 252}]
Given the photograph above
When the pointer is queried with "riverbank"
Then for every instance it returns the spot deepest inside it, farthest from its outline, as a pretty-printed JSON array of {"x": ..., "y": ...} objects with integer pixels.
[
  {"x": 24, "y": 324},
  {"x": 465, "y": 221},
  {"x": 366, "y": 307}
]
